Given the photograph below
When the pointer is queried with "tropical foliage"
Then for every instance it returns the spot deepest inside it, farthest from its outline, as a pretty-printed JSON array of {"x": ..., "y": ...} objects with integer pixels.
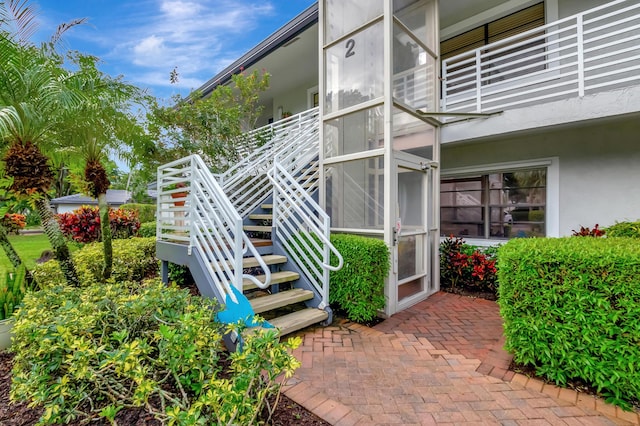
[
  {"x": 212, "y": 126},
  {"x": 86, "y": 353},
  {"x": 465, "y": 267},
  {"x": 84, "y": 224}
]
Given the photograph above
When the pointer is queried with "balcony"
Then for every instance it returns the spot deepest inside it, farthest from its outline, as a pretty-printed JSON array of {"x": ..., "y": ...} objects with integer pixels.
[{"x": 585, "y": 54}]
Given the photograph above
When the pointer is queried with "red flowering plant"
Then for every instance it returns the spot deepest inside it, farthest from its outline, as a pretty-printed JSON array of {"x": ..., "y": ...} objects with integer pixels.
[
  {"x": 14, "y": 222},
  {"x": 464, "y": 267},
  {"x": 586, "y": 232},
  {"x": 83, "y": 224}
]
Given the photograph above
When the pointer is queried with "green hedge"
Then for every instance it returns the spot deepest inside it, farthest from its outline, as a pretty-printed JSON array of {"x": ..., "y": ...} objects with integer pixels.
[
  {"x": 571, "y": 309},
  {"x": 147, "y": 229},
  {"x": 146, "y": 212},
  {"x": 624, "y": 229},
  {"x": 133, "y": 259},
  {"x": 358, "y": 288}
]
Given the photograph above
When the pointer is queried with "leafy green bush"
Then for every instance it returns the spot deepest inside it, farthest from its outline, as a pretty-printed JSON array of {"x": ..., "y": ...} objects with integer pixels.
[
  {"x": 146, "y": 212},
  {"x": 624, "y": 229},
  {"x": 133, "y": 259},
  {"x": 147, "y": 229},
  {"x": 32, "y": 218},
  {"x": 12, "y": 290},
  {"x": 89, "y": 352},
  {"x": 179, "y": 274},
  {"x": 571, "y": 307},
  {"x": 358, "y": 288}
]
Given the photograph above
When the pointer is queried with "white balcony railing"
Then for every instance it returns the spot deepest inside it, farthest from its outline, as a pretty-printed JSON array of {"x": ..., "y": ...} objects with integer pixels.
[{"x": 593, "y": 51}]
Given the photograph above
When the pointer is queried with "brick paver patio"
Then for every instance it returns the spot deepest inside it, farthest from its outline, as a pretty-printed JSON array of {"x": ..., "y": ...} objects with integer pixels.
[{"x": 439, "y": 362}]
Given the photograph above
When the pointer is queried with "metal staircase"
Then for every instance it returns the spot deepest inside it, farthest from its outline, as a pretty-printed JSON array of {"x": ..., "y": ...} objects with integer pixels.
[{"x": 254, "y": 237}]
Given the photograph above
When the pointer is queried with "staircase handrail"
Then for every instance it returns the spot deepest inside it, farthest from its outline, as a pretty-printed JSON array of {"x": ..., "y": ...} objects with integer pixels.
[
  {"x": 210, "y": 220},
  {"x": 296, "y": 212},
  {"x": 246, "y": 183},
  {"x": 279, "y": 133}
]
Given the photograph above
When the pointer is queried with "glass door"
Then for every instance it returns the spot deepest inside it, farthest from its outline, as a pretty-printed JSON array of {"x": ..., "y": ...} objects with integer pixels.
[{"x": 411, "y": 242}]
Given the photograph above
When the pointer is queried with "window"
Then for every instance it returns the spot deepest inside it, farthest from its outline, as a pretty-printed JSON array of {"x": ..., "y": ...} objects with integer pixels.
[
  {"x": 497, "y": 205},
  {"x": 503, "y": 64},
  {"x": 513, "y": 24}
]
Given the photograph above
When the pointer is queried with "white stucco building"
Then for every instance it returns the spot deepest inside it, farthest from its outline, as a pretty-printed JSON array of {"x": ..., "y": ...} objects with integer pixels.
[{"x": 486, "y": 119}]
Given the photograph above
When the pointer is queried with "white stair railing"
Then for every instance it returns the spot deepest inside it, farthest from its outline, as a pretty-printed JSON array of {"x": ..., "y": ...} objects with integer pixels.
[
  {"x": 246, "y": 183},
  {"x": 206, "y": 220},
  {"x": 299, "y": 223},
  {"x": 595, "y": 50}
]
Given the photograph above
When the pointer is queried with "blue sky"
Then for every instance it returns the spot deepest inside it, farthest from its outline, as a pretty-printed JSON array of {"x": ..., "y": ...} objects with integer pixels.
[{"x": 144, "y": 40}]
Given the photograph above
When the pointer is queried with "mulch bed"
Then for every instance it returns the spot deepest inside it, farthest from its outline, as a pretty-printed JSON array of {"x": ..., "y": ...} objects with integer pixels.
[
  {"x": 477, "y": 294},
  {"x": 287, "y": 412}
]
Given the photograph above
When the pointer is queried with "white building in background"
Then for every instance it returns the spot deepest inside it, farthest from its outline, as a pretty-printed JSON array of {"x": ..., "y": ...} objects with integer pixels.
[
  {"x": 562, "y": 81},
  {"x": 486, "y": 119}
]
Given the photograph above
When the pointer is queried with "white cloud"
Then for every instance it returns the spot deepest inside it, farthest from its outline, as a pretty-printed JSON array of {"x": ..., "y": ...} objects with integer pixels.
[
  {"x": 187, "y": 35},
  {"x": 150, "y": 46},
  {"x": 180, "y": 8},
  {"x": 145, "y": 39}
]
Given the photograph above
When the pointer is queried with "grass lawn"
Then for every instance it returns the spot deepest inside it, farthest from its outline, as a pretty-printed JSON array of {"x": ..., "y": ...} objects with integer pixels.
[{"x": 29, "y": 247}]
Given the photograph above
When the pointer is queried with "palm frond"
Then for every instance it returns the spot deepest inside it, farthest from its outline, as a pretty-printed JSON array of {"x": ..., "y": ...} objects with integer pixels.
[
  {"x": 10, "y": 124},
  {"x": 64, "y": 27},
  {"x": 18, "y": 18}
]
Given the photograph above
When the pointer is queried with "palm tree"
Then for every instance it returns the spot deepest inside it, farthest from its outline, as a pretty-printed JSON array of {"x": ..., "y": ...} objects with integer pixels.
[
  {"x": 103, "y": 123},
  {"x": 34, "y": 89}
]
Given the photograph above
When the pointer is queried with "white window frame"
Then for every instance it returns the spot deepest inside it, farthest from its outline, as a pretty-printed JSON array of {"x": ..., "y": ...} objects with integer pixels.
[
  {"x": 310, "y": 92},
  {"x": 552, "y": 202}
]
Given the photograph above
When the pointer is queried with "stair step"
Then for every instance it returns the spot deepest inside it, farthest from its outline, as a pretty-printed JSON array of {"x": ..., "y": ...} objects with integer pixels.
[
  {"x": 278, "y": 300},
  {"x": 259, "y": 216},
  {"x": 257, "y": 228},
  {"x": 299, "y": 320},
  {"x": 276, "y": 278},
  {"x": 270, "y": 259},
  {"x": 261, "y": 242}
]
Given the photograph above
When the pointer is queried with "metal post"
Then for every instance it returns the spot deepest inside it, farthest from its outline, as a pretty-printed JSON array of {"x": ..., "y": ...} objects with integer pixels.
[
  {"x": 478, "y": 81},
  {"x": 580, "y": 36}
]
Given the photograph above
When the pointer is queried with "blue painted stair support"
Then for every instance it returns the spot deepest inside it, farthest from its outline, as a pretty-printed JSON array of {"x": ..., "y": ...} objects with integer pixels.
[{"x": 240, "y": 312}]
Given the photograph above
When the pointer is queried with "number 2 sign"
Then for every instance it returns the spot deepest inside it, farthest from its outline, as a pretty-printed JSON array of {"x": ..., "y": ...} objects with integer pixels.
[{"x": 351, "y": 44}]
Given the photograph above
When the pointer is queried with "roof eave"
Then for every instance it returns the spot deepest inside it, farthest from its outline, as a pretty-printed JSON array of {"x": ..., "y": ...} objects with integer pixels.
[{"x": 289, "y": 31}]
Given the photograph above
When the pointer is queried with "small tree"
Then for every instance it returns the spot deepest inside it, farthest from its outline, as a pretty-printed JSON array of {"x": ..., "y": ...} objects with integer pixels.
[{"x": 211, "y": 126}]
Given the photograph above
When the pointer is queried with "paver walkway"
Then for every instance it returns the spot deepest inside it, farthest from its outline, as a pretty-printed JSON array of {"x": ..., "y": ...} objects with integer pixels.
[{"x": 428, "y": 365}]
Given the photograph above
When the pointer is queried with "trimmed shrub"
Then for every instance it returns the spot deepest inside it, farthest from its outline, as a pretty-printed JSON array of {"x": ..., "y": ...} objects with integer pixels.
[
  {"x": 83, "y": 224},
  {"x": 147, "y": 229},
  {"x": 133, "y": 259},
  {"x": 146, "y": 212},
  {"x": 624, "y": 229},
  {"x": 571, "y": 307},
  {"x": 89, "y": 352},
  {"x": 358, "y": 288}
]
